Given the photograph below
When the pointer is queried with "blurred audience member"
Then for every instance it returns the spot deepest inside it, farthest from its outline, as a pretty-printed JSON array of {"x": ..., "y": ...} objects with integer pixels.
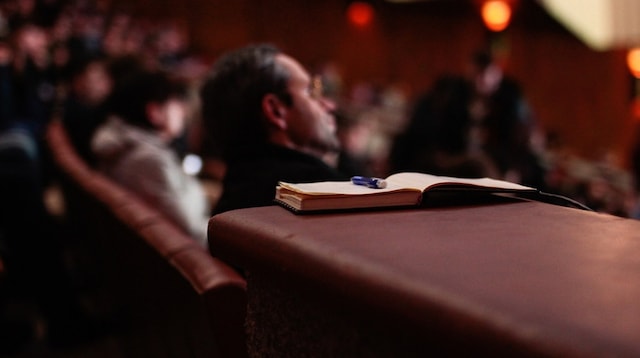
[
  {"x": 169, "y": 45},
  {"x": 436, "y": 140},
  {"x": 354, "y": 135},
  {"x": 147, "y": 111},
  {"x": 28, "y": 245},
  {"x": 34, "y": 80},
  {"x": 85, "y": 104},
  {"x": 124, "y": 36},
  {"x": 87, "y": 32},
  {"x": 6, "y": 84},
  {"x": 33, "y": 253},
  {"x": 502, "y": 123},
  {"x": 271, "y": 122}
]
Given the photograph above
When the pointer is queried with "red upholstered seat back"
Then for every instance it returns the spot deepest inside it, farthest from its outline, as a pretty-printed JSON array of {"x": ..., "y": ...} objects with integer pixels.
[{"x": 179, "y": 300}]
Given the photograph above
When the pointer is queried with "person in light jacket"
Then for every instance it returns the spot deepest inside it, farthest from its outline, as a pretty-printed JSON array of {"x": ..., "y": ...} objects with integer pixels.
[{"x": 147, "y": 112}]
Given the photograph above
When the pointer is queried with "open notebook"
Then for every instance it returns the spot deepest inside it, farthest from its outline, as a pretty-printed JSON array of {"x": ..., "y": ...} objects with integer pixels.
[{"x": 401, "y": 190}]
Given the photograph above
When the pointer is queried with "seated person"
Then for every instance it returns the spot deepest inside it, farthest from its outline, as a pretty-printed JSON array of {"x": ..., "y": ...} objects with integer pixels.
[
  {"x": 436, "y": 140},
  {"x": 85, "y": 104},
  {"x": 271, "y": 122},
  {"x": 147, "y": 111}
]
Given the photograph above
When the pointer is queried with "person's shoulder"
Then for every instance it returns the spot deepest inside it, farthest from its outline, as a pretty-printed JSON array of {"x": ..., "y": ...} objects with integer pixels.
[
  {"x": 151, "y": 155},
  {"x": 284, "y": 164},
  {"x": 295, "y": 164}
]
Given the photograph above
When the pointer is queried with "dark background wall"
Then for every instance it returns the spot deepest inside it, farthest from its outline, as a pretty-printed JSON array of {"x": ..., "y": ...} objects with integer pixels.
[{"x": 581, "y": 95}]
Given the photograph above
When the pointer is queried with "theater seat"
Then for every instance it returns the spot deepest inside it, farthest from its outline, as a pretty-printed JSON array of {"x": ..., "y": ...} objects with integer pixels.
[{"x": 177, "y": 299}]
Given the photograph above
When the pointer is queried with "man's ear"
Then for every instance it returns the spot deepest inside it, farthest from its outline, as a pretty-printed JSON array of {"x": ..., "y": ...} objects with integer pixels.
[{"x": 274, "y": 111}]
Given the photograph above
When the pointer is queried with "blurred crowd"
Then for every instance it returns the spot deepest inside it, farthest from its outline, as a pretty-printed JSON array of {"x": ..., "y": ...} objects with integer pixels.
[
  {"x": 479, "y": 123},
  {"x": 64, "y": 57},
  {"x": 61, "y": 59}
]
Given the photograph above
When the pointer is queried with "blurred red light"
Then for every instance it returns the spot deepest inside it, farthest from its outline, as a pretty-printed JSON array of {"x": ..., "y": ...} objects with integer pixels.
[{"x": 360, "y": 13}]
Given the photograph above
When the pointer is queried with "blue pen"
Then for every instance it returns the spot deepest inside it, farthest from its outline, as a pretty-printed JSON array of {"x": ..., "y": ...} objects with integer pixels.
[{"x": 375, "y": 183}]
